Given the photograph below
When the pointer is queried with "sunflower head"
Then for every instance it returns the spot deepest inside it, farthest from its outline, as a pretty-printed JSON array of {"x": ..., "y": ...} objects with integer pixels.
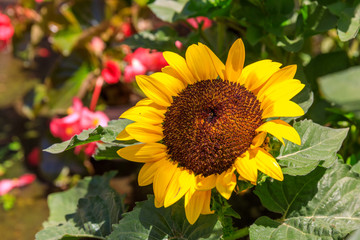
[{"x": 203, "y": 125}]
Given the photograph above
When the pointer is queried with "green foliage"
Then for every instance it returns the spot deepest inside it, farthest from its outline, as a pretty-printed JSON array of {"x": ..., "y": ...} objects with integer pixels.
[
  {"x": 319, "y": 197},
  {"x": 159, "y": 39},
  {"x": 167, "y": 11},
  {"x": 320, "y": 205},
  {"x": 349, "y": 20},
  {"x": 225, "y": 213},
  {"x": 7, "y": 201},
  {"x": 86, "y": 211},
  {"x": 66, "y": 79},
  {"x": 319, "y": 145},
  {"x": 66, "y": 39},
  {"x": 106, "y": 134},
  {"x": 148, "y": 222},
  {"x": 349, "y": 83}
]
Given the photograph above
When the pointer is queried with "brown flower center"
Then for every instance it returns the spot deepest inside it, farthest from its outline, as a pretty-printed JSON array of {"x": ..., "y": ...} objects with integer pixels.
[{"x": 209, "y": 124}]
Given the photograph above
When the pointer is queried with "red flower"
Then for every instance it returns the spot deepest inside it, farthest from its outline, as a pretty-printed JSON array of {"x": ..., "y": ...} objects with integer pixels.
[
  {"x": 197, "y": 21},
  {"x": 127, "y": 29},
  {"x": 6, "y": 31},
  {"x": 80, "y": 118},
  {"x": 33, "y": 158},
  {"x": 143, "y": 60},
  {"x": 111, "y": 73},
  {"x": 6, "y": 185}
]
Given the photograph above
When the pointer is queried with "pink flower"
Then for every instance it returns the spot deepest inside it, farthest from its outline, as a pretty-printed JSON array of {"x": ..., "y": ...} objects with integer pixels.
[
  {"x": 143, "y": 60},
  {"x": 111, "y": 73},
  {"x": 197, "y": 21},
  {"x": 6, "y": 31},
  {"x": 80, "y": 118},
  {"x": 178, "y": 44},
  {"x": 97, "y": 45},
  {"x": 6, "y": 185}
]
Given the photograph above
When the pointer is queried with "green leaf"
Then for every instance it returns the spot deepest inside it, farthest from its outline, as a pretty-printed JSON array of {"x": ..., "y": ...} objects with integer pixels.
[
  {"x": 319, "y": 145},
  {"x": 349, "y": 23},
  {"x": 87, "y": 210},
  {"x": 160, "y": 39},
  {"x": 65, "y": 39},
  {"x": 356, "y": 168},
  {"x": 106, "y": 134},
  {"x": 317, "y": 18},
  {"x": 349, "y": 83},
  {"x": 66, "y": 78},
  {"x": 291, "y": 45},
  {"x": 167, "y": 10},
  {"x": 254, "y": 35},
  {"x": 107, "y": 151},
  {"x": 148, "y": 222},
  {"x": 324, "y": 204}
]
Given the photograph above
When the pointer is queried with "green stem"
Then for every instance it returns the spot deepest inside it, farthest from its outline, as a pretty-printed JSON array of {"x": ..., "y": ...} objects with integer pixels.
[
  {"x": 220, "y": 37},
  {"x": 238, "y": 234}
]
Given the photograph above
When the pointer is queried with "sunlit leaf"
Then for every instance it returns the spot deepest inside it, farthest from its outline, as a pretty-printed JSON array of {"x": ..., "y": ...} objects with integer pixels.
[
  {"x": 349, "y": 23},
  {"x": 148, "y": 222},
  {"x": 106, "y": 134},
  {"x": 321, "y": 205},
  {"x": 167, "y": 10},
  {"x": 349, "y": 83},
  {"x": 319, "y": 145},
  {"x": 87, "y": 210}
]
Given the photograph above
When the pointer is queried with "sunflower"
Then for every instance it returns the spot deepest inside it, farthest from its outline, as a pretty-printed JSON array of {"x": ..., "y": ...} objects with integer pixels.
[{"x": 203, "y": 125}]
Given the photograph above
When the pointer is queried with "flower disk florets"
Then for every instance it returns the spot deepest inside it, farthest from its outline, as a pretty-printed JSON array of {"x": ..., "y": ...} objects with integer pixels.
[{"x": 210, "y": 124}]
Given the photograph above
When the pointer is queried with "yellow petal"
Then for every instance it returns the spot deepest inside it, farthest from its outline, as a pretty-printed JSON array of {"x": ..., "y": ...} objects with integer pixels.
[
  {"x": 206, "y": 205},
  {"x": 235, "y": 61},
  {"x": 171, "y": 84},
  {"x": 145, "y": 114},
  {"x": 144, "y": 132},
  {"x": 124, "y": 136},
  {"x": 246, "y": 167},
  {"x": 226, "y": 182},
  {"x": 147, "y": 152},
  {"x": 205, "y": 183},
  {"x": 177, "y": 188},
  {"x": 171, "y": 71},
  {"x": 281, "y": 75},
  {"x": 145, "y": 102},
  {"x": 282, "y": 109},
  {"x": 162, "y": 179},
  {"x": 256, "y": 74},
  {"x": 268, "y": 165},
  {"x": 195, "y": 205},
  {"x": 280, "y": 92},
  {"x": 153, "y": 90},
  {"x": 258, "y": 140},
  {"x": 147, "y": 172},
  {"x": 178, "y": 63},
  {"x": 280, "y": 130},
  {"x": 190, "y": 179},
  {"x": 218, "y": 64},
  {"x": 200, "y": 63}
]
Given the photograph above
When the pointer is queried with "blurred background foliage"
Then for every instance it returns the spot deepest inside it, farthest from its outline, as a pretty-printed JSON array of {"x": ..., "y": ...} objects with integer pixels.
[{"x": 54, "y": 48}]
